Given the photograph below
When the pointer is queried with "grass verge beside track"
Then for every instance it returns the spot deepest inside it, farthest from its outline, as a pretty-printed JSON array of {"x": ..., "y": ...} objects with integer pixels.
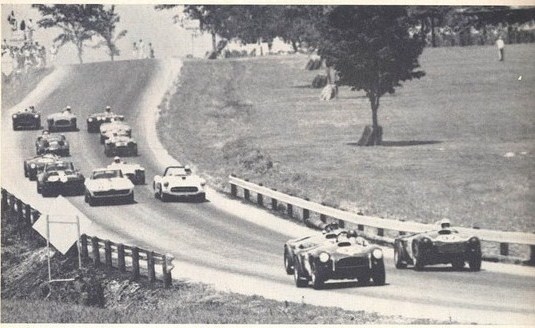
[{"x": 458, "y": 143}]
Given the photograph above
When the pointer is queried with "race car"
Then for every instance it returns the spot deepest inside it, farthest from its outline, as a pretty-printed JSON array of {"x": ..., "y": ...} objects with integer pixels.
[
  {"x": 348, "y": 258},
  {"x": 64, "y": 120},
  {"x": 26, "y": 119},
  {"x": 52, "y": 144},
  {"x": 444, "y": 245},
  {"x": 119, "y": 128},
  {"x": 108, "y": 184},
  {"x": 134, "y": 172},
  {"x": 120, "y": 145},
  {"x": 95, "y": 120},
  {"x": 35, "y": 165},
  {"x": 60, "y": 177},
  {"x": 292, "y": 246},
  {"x": 177, "y": 182}
]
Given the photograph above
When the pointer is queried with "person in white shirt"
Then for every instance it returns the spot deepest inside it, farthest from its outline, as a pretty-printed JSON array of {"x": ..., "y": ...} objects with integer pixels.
[
  {"x": 141, "y": 49},
  {"x": 501, "y": 48}
]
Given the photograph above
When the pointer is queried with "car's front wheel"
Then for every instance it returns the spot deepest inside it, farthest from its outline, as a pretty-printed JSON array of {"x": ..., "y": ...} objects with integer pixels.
[
  {"x": 130, "y": 199},
  {"x": 318, "y": 278},
  {"x": 378, "y": 273},
  {"x": 475, "y": 262},
  {"x": 300, "y": 281},
  {"x": 288, "y": 262},
  {"x": 163, "y": 196},
  {"x": 398, "y": 258}
]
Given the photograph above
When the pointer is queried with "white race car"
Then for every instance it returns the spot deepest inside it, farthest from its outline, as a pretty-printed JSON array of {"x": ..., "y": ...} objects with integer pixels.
[
  {"x": 178, "y": 181},
  {"x": 108, "y": 184},
  {"x": 117, "y": 127},
  {"x": 134, "y": 172}
]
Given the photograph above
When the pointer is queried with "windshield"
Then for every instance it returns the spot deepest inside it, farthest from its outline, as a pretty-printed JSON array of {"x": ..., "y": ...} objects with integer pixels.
[
  {"x": 107, "y": 174},
  {"x": 175, "y": 171},
  {"x": 62, "y": 166}
]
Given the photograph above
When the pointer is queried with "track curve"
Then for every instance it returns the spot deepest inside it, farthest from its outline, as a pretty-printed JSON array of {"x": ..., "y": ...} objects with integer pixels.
[{"x": 224, "y": 242}]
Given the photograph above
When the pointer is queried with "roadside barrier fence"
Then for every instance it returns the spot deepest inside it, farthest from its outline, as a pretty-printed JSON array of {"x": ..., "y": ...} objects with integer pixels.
[{"x": 271, "y": 198}]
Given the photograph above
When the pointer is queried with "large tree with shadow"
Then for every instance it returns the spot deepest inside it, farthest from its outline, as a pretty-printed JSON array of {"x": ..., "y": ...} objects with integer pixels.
[{"x": 371, "y": 49}]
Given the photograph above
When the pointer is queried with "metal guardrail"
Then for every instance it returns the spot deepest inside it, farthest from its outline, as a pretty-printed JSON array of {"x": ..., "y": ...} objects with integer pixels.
[
  {"x": 504, "y": 238},
  {"x": 123, "y": 257}
]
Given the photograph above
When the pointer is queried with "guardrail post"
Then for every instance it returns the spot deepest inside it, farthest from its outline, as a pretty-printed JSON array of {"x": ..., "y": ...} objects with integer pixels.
[
  {"x": 380, "y": 232},
  {"x": 504, "y": 249},
  {"x": 4, "y": 203},
  {"x": 306, "y": 214},
  {"x": 290, "y": 210},
  {"x": 246, "y": 194},
  {"x": 323, "y": 218},
  {"x": 135, "y": 263},
  {"x": 150, "y": 267},
  {"x": 107, "y": 253},
  {"x": 260, "y": 199},
  {"x": 233, "y": 190},
  {"x": 120, "y": 258},
  {"x": 166, "y": 273},
  {"x": 360, "y": 227},
  {"x": 402, "y": 233},
  {"x": 273, "y": 204},
  {"x": 95, "y": 251},
  {"x": 83, "y": 245},
  {"x": 341, "y": 224},
  {"x": 531, "y": 254}
]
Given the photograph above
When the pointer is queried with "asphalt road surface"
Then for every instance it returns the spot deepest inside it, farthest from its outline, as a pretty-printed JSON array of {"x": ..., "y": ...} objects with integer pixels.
[{"x": 223, "y": 242}]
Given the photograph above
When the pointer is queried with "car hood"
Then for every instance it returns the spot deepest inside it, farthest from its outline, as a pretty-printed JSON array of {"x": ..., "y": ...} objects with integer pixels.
[
  {"x": 126, "y": 168},
  {"x": 64, "y": 176},
  {"x": 337, "y": 251},
  {"x": 108, "y": 184},
  {"x": 57, "y": 116},
  {"x": 190, "y": 180},
  {"x": 27, "y": 114},
  {"x": 120, "y": 139},
  {"x": 115, "y": 125}
]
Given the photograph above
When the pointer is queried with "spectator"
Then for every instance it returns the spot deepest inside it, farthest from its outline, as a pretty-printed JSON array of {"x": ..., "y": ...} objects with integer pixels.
[
  {"x": 141, "y": 49},
  {"x": 29, "y": 30},
  {"x": 5, "y": 48},
  {"x": 501, "y": 48},
  {"x": 12, "y": 21},
  {"x": 53, "y": 53},
  {"x": 135, "y": 50},
  {"x": 151, "y": 51}
]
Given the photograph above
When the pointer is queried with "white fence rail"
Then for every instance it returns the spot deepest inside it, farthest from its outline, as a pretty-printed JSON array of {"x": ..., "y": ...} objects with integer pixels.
[{"x": 504, "y": 238}]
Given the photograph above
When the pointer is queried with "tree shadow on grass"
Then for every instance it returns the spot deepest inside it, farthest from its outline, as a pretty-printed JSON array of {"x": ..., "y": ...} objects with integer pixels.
[{"x": 403, "y": 143}]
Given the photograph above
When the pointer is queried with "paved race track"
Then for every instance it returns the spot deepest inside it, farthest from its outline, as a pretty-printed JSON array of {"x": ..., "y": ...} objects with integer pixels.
[{"x": 213, "y": 244}]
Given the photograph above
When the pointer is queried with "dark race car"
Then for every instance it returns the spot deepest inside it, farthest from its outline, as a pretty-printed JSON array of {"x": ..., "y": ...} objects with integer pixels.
[
  {"x": 120, "y": 146},
  {"x": 350, "y": 257},
  {"x": 52, "y": 144},
  {"x": 64, "y": 121},
  {"x": 60, "y": 178},
  {"x": 292, "y": 246},
  {"x": 35, "y": 165},
  {"x": 443, "y": 246},
  {"x": 95, "y": 120},
  {"x": 26, "y": 120}
]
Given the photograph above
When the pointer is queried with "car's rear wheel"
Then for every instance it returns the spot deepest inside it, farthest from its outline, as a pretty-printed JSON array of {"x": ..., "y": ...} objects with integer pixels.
[
  {"x": 397, "y": 256},
  {"x": 300, "y": 281},
  {"x": 288, "y": 266},
  {"x": 475, "y": 262},
  {"x": 378, "y": 273}
]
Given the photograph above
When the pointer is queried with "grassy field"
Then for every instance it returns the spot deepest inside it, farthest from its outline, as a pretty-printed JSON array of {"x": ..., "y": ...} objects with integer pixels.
[
  {"x": 449, "y": 137},
  {"x": 15, "y": 89}
]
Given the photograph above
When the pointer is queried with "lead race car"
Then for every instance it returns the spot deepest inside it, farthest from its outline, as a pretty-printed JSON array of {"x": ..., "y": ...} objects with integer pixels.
[
  {"x": 178, "y": 181},
  {"x": 35, "y": 165},
  {"x": 444, "y": 245},
  {"x": 60, "y": 177},
  {"x": 52, "y": 144},
  {"x": 134, "y": 172},
  {"x": 350, "y": 257},
  {"x": 64, "y": 120},
  {"x": 108, "y": 184},
  {"x": 293, "y": 246},
  {"x": 94, "y": 121},
  {"x": 26, "y": 119}
]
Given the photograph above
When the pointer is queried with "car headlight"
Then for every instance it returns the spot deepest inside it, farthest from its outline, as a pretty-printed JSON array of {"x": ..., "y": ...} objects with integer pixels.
[
  {"x": 474, "y": 240},
  {"x": 32, "y": 166},
  {"x": 36, "y": 116},
  {"x": 166, "y": 184},
  {"x": 203, "y": 182},
  {"x": 15, "y": 116},
  {"x": 426, "y": 240},
  {"x": 90, "y": 119},
  {"x": 52, "y": 179},
  {"x": 377, "y": 253},
  {"x": 324, "y": 257}
]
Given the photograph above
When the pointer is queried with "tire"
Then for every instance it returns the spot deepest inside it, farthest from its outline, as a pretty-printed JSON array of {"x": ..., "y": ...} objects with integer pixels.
[
  {"x": 26, "y": 175},
  {"x": 92, "y": 201},
  {"x": 458, "y": 264},
  {"x": 418, "y": 261},
  {"x": 318, "y": 278},
  {"x": 130, "y": 199},
  {"x": 38, "y": 188},
  {"x": 86, "y": 197},
  {"x": 74, "y": 127},
  {"x": 14, "y": 127},
  {"x": 398, "y": 258},
  {"x": 299, "y": 280},
  {"x": 378, "y": 273},
  {"x": 101, "y": 140},
  {"x": 162, "y": 196},
  {"x": 141, "y": 179},
  {"x": 201, "y": 198},
  {"x": 475, "y": 262},
  {"x": 288, "y": 265}
]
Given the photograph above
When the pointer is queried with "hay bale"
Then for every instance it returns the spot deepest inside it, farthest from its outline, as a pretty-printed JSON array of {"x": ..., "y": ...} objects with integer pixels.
[
  {"x": 319, "y": 81},
  {"x": 329, "y": 92}
]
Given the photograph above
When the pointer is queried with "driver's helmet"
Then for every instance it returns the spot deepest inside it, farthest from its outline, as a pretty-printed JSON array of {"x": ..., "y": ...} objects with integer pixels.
[
  {"x": 108, "y": 109},
  {"x": 187, "y": 169},
  {"x": 45, "y": 132},
  {"x": 445, "y": 224},
  {"x": 352, "y": 233},
  {"x": 117, "y": 159},
  {"x": 67, "y": 109},
  {"x": 32, "y": 108}
]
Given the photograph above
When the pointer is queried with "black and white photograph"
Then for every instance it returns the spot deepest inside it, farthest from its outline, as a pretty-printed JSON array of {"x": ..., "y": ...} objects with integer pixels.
[{"x": 268, "y": 163}]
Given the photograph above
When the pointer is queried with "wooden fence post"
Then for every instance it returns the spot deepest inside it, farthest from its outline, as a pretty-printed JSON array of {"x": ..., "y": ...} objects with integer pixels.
[
  {"x": 380, "y": 232},
  {"x": 166, "y": 273},
  {"x": 260, "y": 199},
  {"x": 531, "y": 254},
  {"x": 4, "y": 203},
  {"x": 273, "y": 204},
  {"x": 107, "y": 254},
  {"x": 323, "y": 218},
  {"x": 341, "y": 224},
  {"x": 246, "y": 194},
  {"x": 233, "y": 190},
  {"x": 120, "y": 258},
  {"x": 95, "y": 251},
  {"x": 504, "y": 249},
  {"x": 306, "y": 214},
  {"x": 290, "y": 210},
  {"x": 360, "y": 227},
  {"x": 135, "y": 263},
  {"x": 150, "y": 267},
  {"x": 83, "y": 246}
]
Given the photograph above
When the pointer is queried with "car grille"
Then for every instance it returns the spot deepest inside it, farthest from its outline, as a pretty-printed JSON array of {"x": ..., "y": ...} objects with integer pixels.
[
  {"x": 62, "y": 123},
  {"x": 349, "y": 262},
  {"x": 450, "y": 248},
  {"x": 184, "y": 189},
  {"x": 112, "y": 192}
]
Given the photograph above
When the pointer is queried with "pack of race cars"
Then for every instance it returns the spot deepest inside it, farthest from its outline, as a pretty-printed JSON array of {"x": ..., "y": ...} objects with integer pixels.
[{"x": 54, "y": 174}]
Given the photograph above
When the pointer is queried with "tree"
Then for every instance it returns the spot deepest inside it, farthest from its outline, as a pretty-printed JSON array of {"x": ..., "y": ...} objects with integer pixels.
[
  {"x": 76, "y": 22},
  {"x": 105, "y": 28},
  {"x": 371, "y": 50}
]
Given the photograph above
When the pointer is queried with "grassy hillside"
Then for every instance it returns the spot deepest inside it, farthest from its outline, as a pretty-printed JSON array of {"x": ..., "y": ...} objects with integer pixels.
[
  {"x": 458, "y": 143},
  {"x": 15, "y": 88}
]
